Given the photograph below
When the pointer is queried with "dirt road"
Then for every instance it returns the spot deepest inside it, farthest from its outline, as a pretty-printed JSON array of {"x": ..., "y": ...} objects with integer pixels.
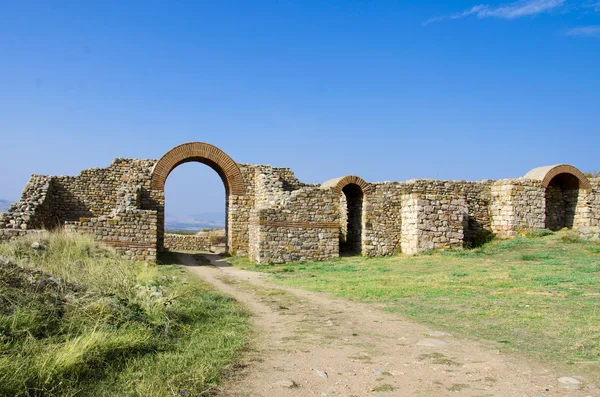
[{"x": 309, "y": 344}]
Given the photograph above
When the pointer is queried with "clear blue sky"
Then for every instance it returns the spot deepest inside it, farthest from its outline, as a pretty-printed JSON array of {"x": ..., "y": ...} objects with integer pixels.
[{"x": 387, "y": 90}]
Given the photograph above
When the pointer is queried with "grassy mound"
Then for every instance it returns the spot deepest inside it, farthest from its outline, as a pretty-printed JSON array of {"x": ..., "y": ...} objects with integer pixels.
[
  {"x": 538, "y": 293},
  {"x": 77, "y": 319}
]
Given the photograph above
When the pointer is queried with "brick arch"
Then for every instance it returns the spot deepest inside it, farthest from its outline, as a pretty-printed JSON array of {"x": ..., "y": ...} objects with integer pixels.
[
  {"x": 338, "y": 184},
  {"x": 204, "y": 153},
  {"x": 547, "y": 173}
]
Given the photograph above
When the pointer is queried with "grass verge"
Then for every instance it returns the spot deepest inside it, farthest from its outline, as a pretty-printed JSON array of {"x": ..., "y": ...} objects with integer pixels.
[
  {"x": 77, "y": 319},
  {"x": 538, "y": 294}
]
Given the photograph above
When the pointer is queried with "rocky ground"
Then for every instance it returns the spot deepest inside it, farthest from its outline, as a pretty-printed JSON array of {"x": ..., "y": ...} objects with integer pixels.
[{"x": 308, "y": 344}]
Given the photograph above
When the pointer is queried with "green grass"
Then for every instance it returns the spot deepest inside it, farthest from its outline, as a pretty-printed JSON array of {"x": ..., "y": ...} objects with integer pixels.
[
  {"x": 538, "y": 294},
  {"x": 77, "y": 319}
]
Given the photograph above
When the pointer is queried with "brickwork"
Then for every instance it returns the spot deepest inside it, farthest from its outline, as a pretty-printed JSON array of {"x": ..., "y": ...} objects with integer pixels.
[{"x": 274, "y": 218}]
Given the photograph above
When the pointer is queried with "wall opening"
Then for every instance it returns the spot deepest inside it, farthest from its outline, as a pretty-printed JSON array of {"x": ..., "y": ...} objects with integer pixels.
[
  {"x": 562, "y": 195},
  {"x": 351, "y": 210},
  {"x": 195, "y": 209},
  {"x": 203, "y": 153}
]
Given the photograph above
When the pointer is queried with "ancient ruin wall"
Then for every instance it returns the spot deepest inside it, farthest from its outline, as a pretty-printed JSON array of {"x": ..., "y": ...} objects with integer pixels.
[
  {"x": 299, "y": 225},
  {"x": 94, "y": 191},
  {"x": 432, "y": 221},
  {"x": 275, "y": 218},
  {"x": 204, "y": 240},
  {"x": 130, "y": 230},
  {"x": 517, "y": 204},
  {"x": 384, "y": 211},
  {"x": 34, "y": 210},
  {"x": 587, "y": 218}
]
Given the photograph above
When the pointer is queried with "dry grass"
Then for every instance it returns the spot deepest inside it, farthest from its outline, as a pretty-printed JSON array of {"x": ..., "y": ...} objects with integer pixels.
[{"x": 77, "y": 319}]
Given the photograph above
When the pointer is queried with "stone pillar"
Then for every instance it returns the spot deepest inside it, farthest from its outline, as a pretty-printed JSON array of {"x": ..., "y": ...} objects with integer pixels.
[
  {"x": 517, "y": 204},
  {"x": 431, "y": 221}
]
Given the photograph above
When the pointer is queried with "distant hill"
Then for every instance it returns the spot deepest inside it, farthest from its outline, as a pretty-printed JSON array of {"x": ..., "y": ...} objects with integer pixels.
[
  {"x": 206, "y": 220},
  {"x": 4, "y": 205}
]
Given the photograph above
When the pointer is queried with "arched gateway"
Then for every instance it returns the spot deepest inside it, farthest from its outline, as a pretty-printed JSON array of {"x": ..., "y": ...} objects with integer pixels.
[
  {"x": 352, "y": 191},
  {"x": 562, "y": 184},
  {"x": 203, "y": 153}
]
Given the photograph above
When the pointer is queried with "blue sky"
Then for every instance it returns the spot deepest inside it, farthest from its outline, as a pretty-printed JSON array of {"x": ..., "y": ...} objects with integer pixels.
[{"x": 387, "y": 90}]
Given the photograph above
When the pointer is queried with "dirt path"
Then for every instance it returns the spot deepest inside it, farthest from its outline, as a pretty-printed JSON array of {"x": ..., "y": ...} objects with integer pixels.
[{"x": 308, "y": 344}]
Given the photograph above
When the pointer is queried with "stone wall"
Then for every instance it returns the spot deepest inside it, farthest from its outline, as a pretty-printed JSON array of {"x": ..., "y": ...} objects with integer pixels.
[
  {"x": 587, "y": 218},
  {"x": 94, "y": 191},
  {"x": 517, "y": 204},
  {"x": 275, "y": 218},
  {"x": 383, "y": 229},
  {"x": 204, "y": 240},
  {"x": 299, "y": 225},
  {"x": 131, "y": 232},
  {"x": 33, "y": 211},
  {"x": 432, "y": 222}
]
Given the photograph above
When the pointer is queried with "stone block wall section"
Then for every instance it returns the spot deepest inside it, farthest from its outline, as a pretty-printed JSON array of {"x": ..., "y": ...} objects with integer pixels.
[
  {"x": 432, "y": 222},
  {"x": 384, "y": 211},
  {"x": 587, "y": 218},
  {"x": 204, "y": 240},
  {"x": 274, "y": 218},
  {"x": 131, "y": 232},
  {"x": 286, "y": 226},
  {"x": 33, "y": 211},
  {"x": 517, "y": 204}
]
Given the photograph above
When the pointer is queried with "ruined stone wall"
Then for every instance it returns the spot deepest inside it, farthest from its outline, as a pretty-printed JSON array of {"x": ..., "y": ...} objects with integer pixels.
[
  {"x": 33, "y": 211},
  {"x": 275, "y": 218},
  {"x": 517, "y": 204},
  {"x": 132, "y": 232},
  {"x": 587, "y": 218},
  {"x": 299, "y": 225},
  {"x": 432, "y": 221},
  {"x": 202, "y": 241},
  {"x": 382, "y": 208},
  {"x": 94, "y": 191},
  {"x": 383, "y": 229}
]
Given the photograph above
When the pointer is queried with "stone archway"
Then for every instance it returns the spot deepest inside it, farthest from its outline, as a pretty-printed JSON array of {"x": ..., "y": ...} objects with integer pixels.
[
  {"x": 562, "y": 184},
  {"x": 203, "y": 153},
  {"x": 352, "y": 190}
]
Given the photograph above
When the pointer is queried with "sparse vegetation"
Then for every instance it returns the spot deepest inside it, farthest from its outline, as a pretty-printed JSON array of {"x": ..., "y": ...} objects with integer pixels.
[
  {"x": 592, "y": 174},
  {"x": 537, "y": 293},
  {"x": 76, "y": 319}
]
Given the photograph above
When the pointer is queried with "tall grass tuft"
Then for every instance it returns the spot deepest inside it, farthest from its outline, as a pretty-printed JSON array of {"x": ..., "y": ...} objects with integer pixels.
[{"x": 78, "y": 319}]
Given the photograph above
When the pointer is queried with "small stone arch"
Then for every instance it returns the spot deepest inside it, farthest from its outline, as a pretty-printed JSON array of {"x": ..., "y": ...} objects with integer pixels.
[
  {"x": 204, "y": 153},
  {"x": 338, "y": 184},
  {"x": 547, "y": 173},
  {"x": 562, "y": 184},
  {"x": 352, "y": 190}
]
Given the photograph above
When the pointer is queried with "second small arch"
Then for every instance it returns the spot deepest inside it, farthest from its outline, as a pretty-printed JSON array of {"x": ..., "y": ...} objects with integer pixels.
[{"x": 352, "y": 191}]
